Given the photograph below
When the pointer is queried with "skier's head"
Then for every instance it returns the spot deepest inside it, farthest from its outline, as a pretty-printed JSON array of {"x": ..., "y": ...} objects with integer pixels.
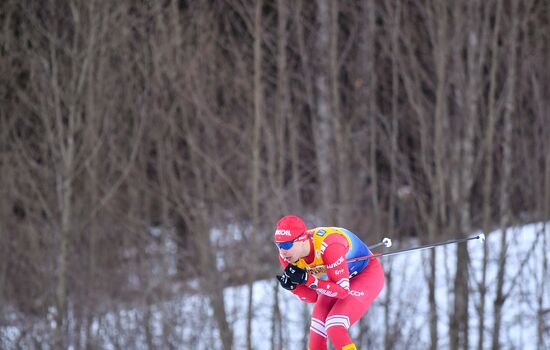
[{"x": 290, "y": 229}]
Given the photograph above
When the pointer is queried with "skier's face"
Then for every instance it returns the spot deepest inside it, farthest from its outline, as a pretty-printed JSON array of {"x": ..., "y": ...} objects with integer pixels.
[{"x": 294, "y": 253}]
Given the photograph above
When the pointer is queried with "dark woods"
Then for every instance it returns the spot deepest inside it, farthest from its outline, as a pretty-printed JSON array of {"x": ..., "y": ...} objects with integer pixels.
[{"x": 129, "y": 130}]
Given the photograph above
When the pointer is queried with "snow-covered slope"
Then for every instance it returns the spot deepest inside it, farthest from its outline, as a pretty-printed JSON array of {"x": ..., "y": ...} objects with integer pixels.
[
  {"x": 407, "y": 298},
  {"x": 187, "y": 322}
]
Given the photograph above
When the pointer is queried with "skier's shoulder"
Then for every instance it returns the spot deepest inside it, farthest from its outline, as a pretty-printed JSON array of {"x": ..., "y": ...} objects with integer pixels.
[{"x": 329, "y": 236}]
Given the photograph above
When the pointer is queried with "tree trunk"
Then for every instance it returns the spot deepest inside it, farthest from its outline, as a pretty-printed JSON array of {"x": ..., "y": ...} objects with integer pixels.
[
  {"x": 256, "y": 166},
  {"x": 282, "y": 104},
  {"x": 439, "y": 148},
  {"x": 341, "y": 149},
  {"x": 506, "y": 184},
  {"x": 389, "y": 333},
  {"x": 488, "y": 171},
  {"x": 432, "y": 302},
  {"x": 282, "y": 153},
  {"x": 542, "y": 312},
  {"x": 545, "y": 247},
  {"x": 463, "y": 180},
  {"x": 322, "y": 125}
]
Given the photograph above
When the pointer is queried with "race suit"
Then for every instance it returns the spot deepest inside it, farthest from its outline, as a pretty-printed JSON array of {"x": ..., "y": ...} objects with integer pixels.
[{"x": 344, "y": 289}]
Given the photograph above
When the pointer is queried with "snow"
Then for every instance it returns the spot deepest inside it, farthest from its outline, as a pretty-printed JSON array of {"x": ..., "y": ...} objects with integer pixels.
[
  {"x": 177, "y": 323},
  {"x": 408, "y": 304}
]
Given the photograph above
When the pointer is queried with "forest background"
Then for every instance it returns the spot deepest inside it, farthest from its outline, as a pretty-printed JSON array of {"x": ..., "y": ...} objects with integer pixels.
[{"x": 126, "y": 123}]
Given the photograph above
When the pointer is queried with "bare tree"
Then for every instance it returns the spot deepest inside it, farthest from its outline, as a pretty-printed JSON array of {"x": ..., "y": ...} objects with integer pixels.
[
  {"x": 540, "y": 84},
  {"x": 61, "y": 67},
  {"x": 133, "y": 132},
  {"x": 256, "y": 149},
  {"x": 432, "y": 131},
  {"x": 471, "y": 39},
  {"x": 322, "y": 123},
  {"x": 507, "y": 164},
  {"x": 282, "y": 117},
  {"x": 394, "y": 13},
  {"x": 488, "y": 164}
]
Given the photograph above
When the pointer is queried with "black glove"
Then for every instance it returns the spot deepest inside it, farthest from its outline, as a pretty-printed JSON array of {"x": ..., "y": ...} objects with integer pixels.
[
  {"x": 296, "y": 274},
  {"x": 286, "y": 283}
]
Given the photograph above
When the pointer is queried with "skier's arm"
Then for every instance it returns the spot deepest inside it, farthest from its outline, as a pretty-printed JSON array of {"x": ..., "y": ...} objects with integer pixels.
[
  {"x": 305, "y": 294},
  {"x": 337, "y": 284}
]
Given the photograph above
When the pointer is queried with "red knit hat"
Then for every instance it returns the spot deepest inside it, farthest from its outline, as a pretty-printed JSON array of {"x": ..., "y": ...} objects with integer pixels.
[{"x": 289, "y": 228}]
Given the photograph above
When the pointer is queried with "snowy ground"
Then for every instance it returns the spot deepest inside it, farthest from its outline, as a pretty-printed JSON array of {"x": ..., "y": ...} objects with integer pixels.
[
  {"x": 408, "y": 299},
  {"x": 175, "y": 323}
]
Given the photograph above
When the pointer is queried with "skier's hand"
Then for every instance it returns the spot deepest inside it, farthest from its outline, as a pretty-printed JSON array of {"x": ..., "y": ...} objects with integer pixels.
[
  {"x": 296, "y": 274},
  {"x": 286, "y": 283}
]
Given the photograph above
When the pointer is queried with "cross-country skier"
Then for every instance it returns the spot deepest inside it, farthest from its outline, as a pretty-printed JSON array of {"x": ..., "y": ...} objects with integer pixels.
[{"x": 316, "y": 269}]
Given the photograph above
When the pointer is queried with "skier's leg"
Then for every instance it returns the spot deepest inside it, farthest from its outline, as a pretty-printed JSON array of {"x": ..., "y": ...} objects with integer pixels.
[
  {"x": 364, "y": 288},
  {"x": 317, "y": 332}
]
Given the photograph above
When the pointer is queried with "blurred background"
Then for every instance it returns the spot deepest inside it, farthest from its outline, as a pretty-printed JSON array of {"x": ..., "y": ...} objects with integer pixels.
[{"x": 147, "y": 149}]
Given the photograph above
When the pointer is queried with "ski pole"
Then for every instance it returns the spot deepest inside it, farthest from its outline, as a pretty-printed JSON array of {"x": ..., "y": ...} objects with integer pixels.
[
  {"x": 481, "y": 237},
  {"x": 386, "y": 242}
]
